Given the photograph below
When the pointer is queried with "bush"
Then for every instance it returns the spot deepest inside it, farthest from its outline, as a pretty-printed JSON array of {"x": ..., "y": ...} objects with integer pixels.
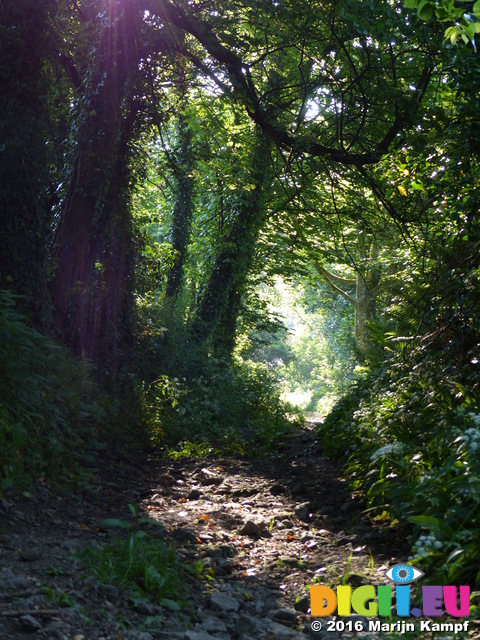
[
  {"x": 50, "y": 411},
  {"x": 409, "y": 437},
  {"x": 235, "y": 407}
]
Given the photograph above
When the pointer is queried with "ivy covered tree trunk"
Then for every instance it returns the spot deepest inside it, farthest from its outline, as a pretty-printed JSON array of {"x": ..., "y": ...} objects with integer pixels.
[
  {"x": 113, "y": 297},
  {"x": 24, "y": 197},
  {"x": 215, "y": 320},
  {"x": 183, "y": 208},
  {"x": 365, "y": 302},
  {"x": 93, "y": 261}
]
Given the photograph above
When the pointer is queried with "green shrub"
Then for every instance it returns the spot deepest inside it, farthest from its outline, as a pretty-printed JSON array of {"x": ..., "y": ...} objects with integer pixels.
[
  {"x": 142, "y": 564},
  {"x": 50, "y": 411},
  {"x": 234, "y": 407},
  {"x": 409, "y": 437}
]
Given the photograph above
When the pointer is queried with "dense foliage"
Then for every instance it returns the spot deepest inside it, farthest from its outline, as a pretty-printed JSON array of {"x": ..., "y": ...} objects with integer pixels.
[
  {"x": 163, "y": 163},
  {"x": 409, "y": 432},
  {"x": 52, "y": 419}
]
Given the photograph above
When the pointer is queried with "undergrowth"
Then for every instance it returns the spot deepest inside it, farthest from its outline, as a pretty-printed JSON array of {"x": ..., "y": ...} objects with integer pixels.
[
  {"x": 233, "y": 408},
  {"x": 409, "y": 437},
  {"x": 141, "y": 564},
  {"x": 52, "y": 418}
]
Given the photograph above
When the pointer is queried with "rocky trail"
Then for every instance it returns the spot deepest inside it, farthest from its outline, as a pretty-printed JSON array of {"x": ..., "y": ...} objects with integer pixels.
[{"x": 258, "y": 531}]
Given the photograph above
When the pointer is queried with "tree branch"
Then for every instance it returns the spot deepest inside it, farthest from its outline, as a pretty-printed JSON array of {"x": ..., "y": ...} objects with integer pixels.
[
  {"x": 346, "y": 282},
  {"x": 244, "y": 88},
  {"x": 245, "y": 92},
  {"x": 326, "y": 275}
]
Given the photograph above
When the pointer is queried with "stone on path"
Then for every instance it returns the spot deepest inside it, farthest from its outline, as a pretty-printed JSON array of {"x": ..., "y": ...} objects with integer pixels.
[
  {"x": 224, "y": 603},
  {"x": 254, "y": 526},
  {"x": 199, "y": 635},
  {"x": 249, "y": 627},
  {"x": 29, "y": 623},
  {"x": 287, "y": 616}
]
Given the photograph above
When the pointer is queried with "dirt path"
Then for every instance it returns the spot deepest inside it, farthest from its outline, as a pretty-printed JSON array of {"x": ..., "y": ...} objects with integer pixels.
[{"x": 264, "y": 530}]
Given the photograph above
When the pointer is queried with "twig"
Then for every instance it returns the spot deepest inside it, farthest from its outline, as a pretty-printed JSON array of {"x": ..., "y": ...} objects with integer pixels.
[
  {"x": 20, "y": 594},
  {"x": 31, "y": 612}
]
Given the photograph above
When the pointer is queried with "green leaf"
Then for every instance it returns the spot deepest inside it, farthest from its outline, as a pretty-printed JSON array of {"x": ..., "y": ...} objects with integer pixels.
[
  {"x": 430, "y": 522},
  {"x": 157, "y": 523},
  {"x": 426, "y": 521},
  {"x": 425, "y": 10},
  {"x": 442, "y": 15},
  {"x": 455, "y": 554},
  {"x": 472, "y": 29},
  {"x": 476, "y": 9},
  {"x": 170, "y": 604},
  {"x": 116, "y": 522},
  {"x": 452, "y": 34}
]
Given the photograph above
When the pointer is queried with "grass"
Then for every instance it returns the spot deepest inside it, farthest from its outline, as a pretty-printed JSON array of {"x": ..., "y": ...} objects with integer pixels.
[{"x": 140, "y": 564}]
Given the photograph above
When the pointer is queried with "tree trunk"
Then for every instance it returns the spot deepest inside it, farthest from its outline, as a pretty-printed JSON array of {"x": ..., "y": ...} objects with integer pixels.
[
  {"x": 365, "y": 305},
  {"x": 366, "y": 288},
  {"x": 93, "y": 241},
  {"x": 216, "y": 316},
  {"x": 24, "y": 197},
  {"x": 114, "y": 300},
  {"x": 183, "y": 209}
]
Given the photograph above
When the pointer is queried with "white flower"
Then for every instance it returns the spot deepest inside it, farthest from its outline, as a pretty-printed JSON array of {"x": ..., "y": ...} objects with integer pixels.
[
  {"x": 476, "y": 418},
  {"x": 386, "y": 450}
]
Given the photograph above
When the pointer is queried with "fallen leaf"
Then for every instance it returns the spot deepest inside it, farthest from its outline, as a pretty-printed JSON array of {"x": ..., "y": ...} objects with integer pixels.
[{"x": 204, "y": 518}]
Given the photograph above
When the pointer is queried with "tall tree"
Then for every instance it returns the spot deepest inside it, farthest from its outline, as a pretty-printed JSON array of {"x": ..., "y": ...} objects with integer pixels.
[
  {"x": 216, "y": 315},
  {"x": 24, "y": 154},
  {"x": 360, "y": 291},
  {"x": 93, "y": 255},
  {"x": 183, "y": 208}
]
